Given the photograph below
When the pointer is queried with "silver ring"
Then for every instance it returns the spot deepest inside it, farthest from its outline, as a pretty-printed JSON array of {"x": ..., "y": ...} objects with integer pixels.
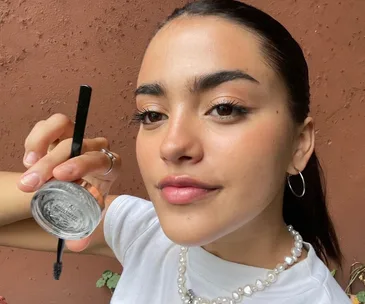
[
  {"x": 291, "y": 188},
  {"x": 112, "y": 160}
]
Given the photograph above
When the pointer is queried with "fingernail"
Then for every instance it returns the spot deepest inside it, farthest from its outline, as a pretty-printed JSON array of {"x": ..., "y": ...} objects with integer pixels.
[
  {"x": 30, "y": 180},
  {"x": 31, "y": 158}
]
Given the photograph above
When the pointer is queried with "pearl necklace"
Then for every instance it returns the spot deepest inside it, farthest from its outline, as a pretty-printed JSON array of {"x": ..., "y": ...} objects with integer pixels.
[{"x": 188, "y": 296}]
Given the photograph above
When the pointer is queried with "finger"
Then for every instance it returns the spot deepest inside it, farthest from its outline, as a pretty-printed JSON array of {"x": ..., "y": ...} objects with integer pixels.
[
  {"x": 53, "y": 145},
  {"x": 42, "y": 171},
  {"x": 91, "y": 163},
  {"x": 79, "y": 245},
  {"x": 44, "y": 133}
]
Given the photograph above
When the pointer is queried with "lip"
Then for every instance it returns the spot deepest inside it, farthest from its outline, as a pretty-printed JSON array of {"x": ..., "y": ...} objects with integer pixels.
[
  {"x": 184, "y": 181},
  {"x": 182, "y": 189}
]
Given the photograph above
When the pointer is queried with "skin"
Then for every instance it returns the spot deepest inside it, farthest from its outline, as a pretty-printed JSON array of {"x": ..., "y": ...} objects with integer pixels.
[
  {"x": 246, "y": 153},
  {"x": 248, "y": 156}
]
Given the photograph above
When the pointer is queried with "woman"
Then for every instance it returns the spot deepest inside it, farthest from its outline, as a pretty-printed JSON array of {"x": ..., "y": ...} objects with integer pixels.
[{"x": 226, "y": 151}]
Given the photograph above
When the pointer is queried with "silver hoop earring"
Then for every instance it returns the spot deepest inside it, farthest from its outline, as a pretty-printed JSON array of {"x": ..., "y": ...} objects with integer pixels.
[{"x": 291, "y": 188}]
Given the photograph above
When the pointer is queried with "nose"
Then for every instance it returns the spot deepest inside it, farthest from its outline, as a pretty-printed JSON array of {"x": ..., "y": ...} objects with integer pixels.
[{"x": 182, "y": 143}]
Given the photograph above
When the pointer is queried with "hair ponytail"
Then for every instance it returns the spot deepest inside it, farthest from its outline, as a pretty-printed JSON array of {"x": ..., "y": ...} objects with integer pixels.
[{"x": 309, "y": 214}]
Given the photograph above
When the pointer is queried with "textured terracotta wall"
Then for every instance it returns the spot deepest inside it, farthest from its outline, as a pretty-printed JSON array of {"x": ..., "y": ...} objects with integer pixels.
[{"x": 48, "y": 48}]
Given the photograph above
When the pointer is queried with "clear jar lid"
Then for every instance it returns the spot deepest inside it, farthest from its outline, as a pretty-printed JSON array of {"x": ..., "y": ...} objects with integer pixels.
[{"x": 66, "y": 210}]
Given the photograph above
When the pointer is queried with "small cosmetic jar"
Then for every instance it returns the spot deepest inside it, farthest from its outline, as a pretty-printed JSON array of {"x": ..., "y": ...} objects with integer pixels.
[{"x": 68, "y": 210}]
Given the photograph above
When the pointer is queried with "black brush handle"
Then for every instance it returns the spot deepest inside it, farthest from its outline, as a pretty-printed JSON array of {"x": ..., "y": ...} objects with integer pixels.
[
  {"x": 80, "y": 121},
  {"x": 76, "y": 147}
]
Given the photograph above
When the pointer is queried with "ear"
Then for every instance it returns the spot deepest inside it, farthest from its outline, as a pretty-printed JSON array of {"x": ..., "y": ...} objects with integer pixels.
[{"x": 304, "y": 147}]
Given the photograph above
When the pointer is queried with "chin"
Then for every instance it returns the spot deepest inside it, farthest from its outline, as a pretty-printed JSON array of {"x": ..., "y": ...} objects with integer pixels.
[
  {"x": 188, "y": 240},
  {"x": 197, "y": 224},
  {"x": 189, "y": 234}
]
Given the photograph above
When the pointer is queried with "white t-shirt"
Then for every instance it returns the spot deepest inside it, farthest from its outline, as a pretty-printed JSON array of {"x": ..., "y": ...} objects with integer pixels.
[{"x": 150, "y": 263}]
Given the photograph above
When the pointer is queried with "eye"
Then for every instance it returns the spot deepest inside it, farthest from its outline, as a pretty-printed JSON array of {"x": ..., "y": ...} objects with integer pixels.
[
  {"x": 227, "y": 109},
  {"x": 147, "y": 117},
  {"x": 224, "y": 109}
]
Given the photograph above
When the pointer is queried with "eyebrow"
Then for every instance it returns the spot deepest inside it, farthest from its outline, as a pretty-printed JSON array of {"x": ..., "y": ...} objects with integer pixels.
[
  {"x": 155, "y": 89},
  {"x": 210, "y": 81},
  {"x": 200, "y": 84}
]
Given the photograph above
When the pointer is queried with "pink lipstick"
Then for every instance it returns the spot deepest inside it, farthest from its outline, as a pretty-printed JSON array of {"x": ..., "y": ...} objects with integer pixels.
[{"x": 181, "y": 190}]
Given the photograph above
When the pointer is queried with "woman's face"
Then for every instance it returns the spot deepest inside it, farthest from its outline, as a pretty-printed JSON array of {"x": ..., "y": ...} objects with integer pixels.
[{"x": 215, "y": 112}]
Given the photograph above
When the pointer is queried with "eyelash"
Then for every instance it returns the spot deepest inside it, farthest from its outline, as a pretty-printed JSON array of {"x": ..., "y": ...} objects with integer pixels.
[
  {"x": 140, "y": 115},
  {"x": 236, "y": 107}
]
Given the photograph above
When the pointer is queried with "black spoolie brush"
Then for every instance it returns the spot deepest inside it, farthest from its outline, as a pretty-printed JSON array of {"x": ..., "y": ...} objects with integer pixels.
[
  {"x": 78, "y": 137},
  {"x": 57, "y": 267}
]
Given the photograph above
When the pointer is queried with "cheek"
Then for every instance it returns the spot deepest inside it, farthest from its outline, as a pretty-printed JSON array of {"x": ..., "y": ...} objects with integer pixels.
[
  {"x": 141, "y": 152},
  {"x": 254, "y": 146},
  {"x": 251, "y": 160},
  {"x": 148, "y": 156}
]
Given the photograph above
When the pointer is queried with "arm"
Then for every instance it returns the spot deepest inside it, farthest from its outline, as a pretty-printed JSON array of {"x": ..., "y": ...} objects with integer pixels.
[
  {"x": 47, "y": 154},
  {"x": 18, "y": 228},
  {"x": 14, "y": 204}
]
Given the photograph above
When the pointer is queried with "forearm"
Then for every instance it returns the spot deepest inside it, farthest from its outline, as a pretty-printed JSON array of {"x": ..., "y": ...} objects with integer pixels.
[
  {"x": 27, "y": 234},
  {"x": 18, "y": 228},
  {"x": 14, "y": 204}
]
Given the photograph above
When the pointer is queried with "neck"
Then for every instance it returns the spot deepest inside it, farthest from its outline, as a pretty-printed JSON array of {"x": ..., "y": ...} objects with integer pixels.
[{"x": 263, "y": 242}]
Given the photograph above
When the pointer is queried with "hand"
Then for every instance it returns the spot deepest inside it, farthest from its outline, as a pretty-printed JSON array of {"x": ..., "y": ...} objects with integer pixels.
[{"x": 47, "y": 152}]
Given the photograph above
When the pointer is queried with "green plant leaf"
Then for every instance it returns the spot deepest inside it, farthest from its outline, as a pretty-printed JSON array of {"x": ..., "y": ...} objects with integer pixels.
[
  {"x": 107, "y": 274},
  {"x": 361, "y": 296},
  {"x": 113, "y": 281},
  {"x": 333, "y": 272},
  {"x": 100, "y": 283}
]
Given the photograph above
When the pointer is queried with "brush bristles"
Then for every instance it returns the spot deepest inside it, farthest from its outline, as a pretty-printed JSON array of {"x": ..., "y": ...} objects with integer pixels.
[{"x": 57, "y": 270}]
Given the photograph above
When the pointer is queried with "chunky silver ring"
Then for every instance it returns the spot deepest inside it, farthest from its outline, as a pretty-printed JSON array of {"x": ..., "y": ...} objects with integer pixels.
[{"x": 112, "y": 160}]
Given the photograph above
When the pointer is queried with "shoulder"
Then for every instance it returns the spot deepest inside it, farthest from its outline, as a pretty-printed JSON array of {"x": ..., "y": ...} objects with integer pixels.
[
  {"x": 128, "y": 207},
  {"x": 126, "y": 220},
  {"x": 327, "y": 290},
  {"x": 310, "y": 281}
]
